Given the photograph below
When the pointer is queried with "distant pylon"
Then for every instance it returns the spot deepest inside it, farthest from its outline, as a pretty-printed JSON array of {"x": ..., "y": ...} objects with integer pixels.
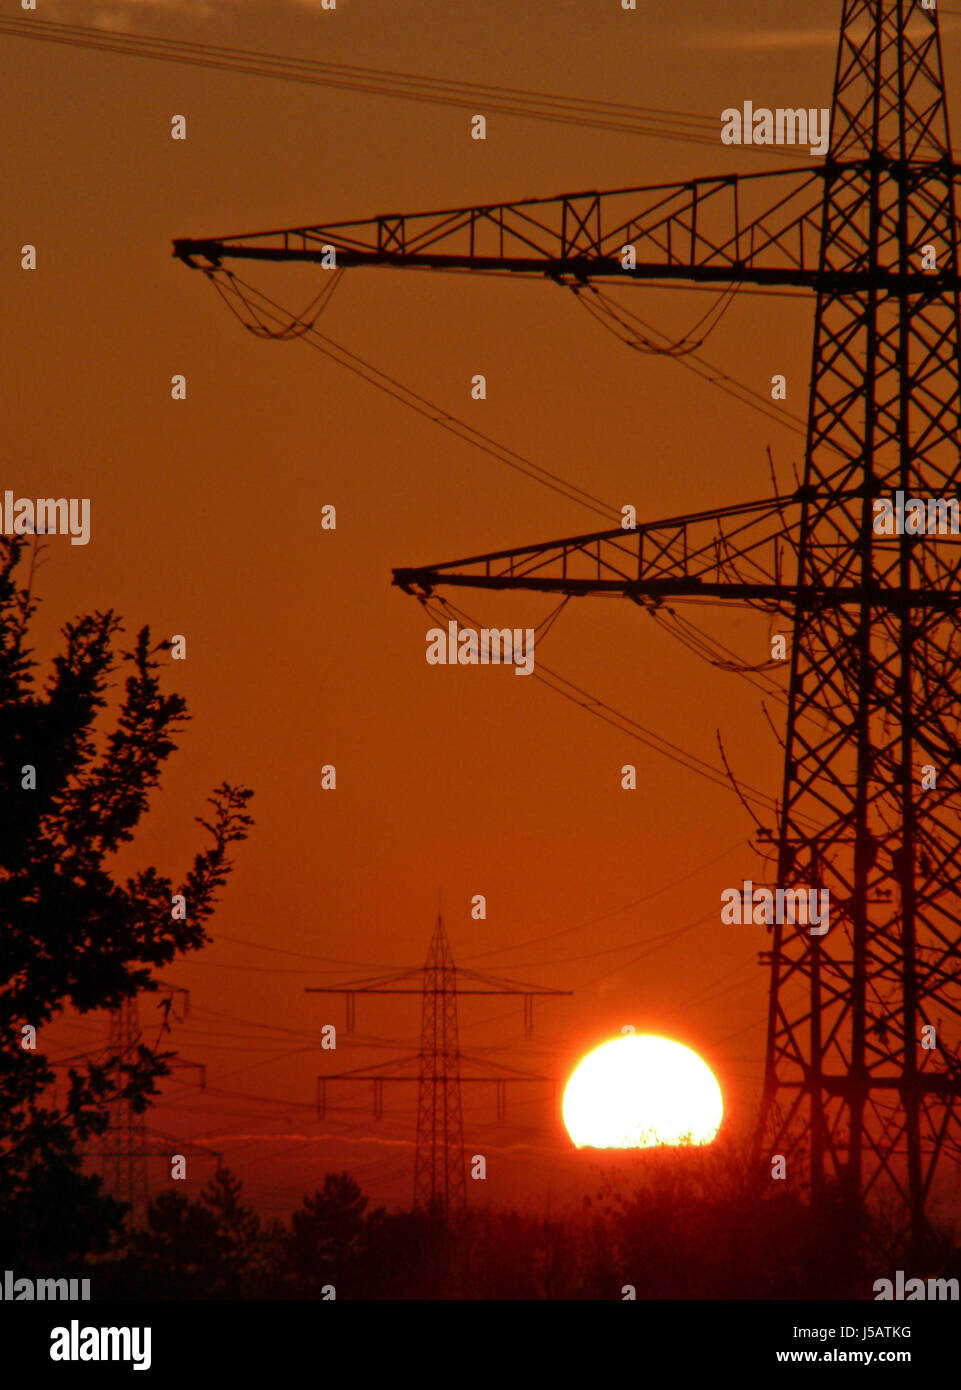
[
  {"x": 439, "y": 1177},
  {"x": 125, "y": 1142},
  {"x": 439, "y": 1180}
]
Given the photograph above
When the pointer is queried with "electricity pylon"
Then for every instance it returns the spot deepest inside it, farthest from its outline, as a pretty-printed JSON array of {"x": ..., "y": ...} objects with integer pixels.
[
  {"x": 852, "y": 1086},
  {"x": 439, "y": 1178},
  {"x": 439, "y": 1157},
  {"x": 125, "y": 1139},
  {"x": 127, "y": 1142}
]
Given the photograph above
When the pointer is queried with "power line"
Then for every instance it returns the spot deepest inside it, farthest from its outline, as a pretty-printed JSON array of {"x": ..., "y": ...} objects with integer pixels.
[
  {"x": 660, "y": 938},
  {"x": 606, "y": 916},
  {"x": 302, "y": 955},
  {"x": 420, "y": 404},
  {"x": 715, "y": 376},
  {"x": 254, "y": 969},
  {"x": 711, "y": 650},
  {"x": 609, "y": 715},
  {"x": 658, "y": 945},
  {"x": 614, "y": 117},
  {"x": 374, "y": 376}
]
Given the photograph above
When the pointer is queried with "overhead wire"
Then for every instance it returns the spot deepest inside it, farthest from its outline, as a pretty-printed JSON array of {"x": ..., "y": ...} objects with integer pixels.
[
  {"x": 421, "y": 405},
  {"x": 614, "y": 117},
  {"x": 660, "y": 937},
  {"x": 254, "y": 969},
  {"x": 299, "y": 323},
  {"x": 674, "y": 935},
  {"x": 253, "y": 62},
  {"x": 302, "y": 955},
  {"x": 680, "y": 347},
  {"x": 380, "y": 379},
  {"x": 513, "y": 946},
  {"x": 606, "y": 916},
  {"x": 707, "y": 371},
  {"x": 713, "y": 651},
  {"x": 438, "y": 416},
  {"x": 609, "y": 715}
]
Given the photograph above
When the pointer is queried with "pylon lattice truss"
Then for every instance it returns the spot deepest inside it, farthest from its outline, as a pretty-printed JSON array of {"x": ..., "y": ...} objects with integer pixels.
[
  {"x": 876, "y": 652},
  {"x": 125, "y": 1141},
  {"x": 439, "y": 1177}
]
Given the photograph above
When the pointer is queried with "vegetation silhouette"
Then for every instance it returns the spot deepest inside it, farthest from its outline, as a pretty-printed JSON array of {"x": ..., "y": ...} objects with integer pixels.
[
  {"x": 73, "y": 930},
  {"x": 673, "y": 1231}
]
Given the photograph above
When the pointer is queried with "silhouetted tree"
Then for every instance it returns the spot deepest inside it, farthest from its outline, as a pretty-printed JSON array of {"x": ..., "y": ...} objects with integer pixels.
[
  {"x": 238, "y": 1231},
  {"x": 211, "y": 1247},
  {"x": 179, "y": 1253},
  {"x": 330, "y": 1235},
  {"x": 72, "y": 931}
]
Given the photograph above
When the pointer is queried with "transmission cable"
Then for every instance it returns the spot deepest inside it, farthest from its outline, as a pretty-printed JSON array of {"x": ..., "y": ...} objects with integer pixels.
[
  {"x": 436, "y": 414},
  {"x": 716, "y": 376},
  {"x": 577, "y": 695},
  {"x": 606, "y": 916},
  {"x": 380, "y": 379},
  {"x": 617, "y": 117}
]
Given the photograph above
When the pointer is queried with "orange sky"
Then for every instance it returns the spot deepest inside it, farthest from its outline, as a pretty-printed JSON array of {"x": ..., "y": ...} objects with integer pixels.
[{"x": 206, "y": 522}]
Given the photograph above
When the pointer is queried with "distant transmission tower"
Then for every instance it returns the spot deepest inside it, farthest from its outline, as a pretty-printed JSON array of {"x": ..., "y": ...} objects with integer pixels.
[
  {"x": 439, "y": 1176},
  {"x": 125, "y": 1141},
  {"x": 439, "y": 1161}
]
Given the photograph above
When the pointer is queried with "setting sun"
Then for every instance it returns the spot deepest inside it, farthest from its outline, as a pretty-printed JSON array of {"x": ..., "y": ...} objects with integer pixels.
[{"x": 640, "y": 1091}]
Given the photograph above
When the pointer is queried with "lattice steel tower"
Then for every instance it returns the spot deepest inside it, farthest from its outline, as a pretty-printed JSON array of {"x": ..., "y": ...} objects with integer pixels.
[
  {"x": 125, "y": 1139},
  {"x": 439, "y": 1181},
  {"x": 876, "y": 658},
  {"x": 874, "y": 679},
  {"x": 439, "y": 1177}
]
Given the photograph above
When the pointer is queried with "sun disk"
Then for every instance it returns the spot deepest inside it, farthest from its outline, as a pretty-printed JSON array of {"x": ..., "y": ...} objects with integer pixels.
[{"x": 641, "y": 1091}]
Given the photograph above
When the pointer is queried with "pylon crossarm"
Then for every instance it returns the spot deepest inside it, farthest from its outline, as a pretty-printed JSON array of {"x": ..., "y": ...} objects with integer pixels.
[
  {"x": 751, "y": 226},
  {"x": 763, "y": 229},
  {"x": 735, "y": 553},
  {"x": 645, "y": 559},
  {"x": 498, "y": 985}
]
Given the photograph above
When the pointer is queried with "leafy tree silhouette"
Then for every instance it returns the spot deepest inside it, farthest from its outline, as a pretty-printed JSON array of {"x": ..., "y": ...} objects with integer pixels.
[{"x": 72, "y": 931}]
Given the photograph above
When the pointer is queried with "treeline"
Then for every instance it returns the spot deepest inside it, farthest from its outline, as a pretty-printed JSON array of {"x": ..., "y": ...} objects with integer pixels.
[{"x": 679, "y": 1234}]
